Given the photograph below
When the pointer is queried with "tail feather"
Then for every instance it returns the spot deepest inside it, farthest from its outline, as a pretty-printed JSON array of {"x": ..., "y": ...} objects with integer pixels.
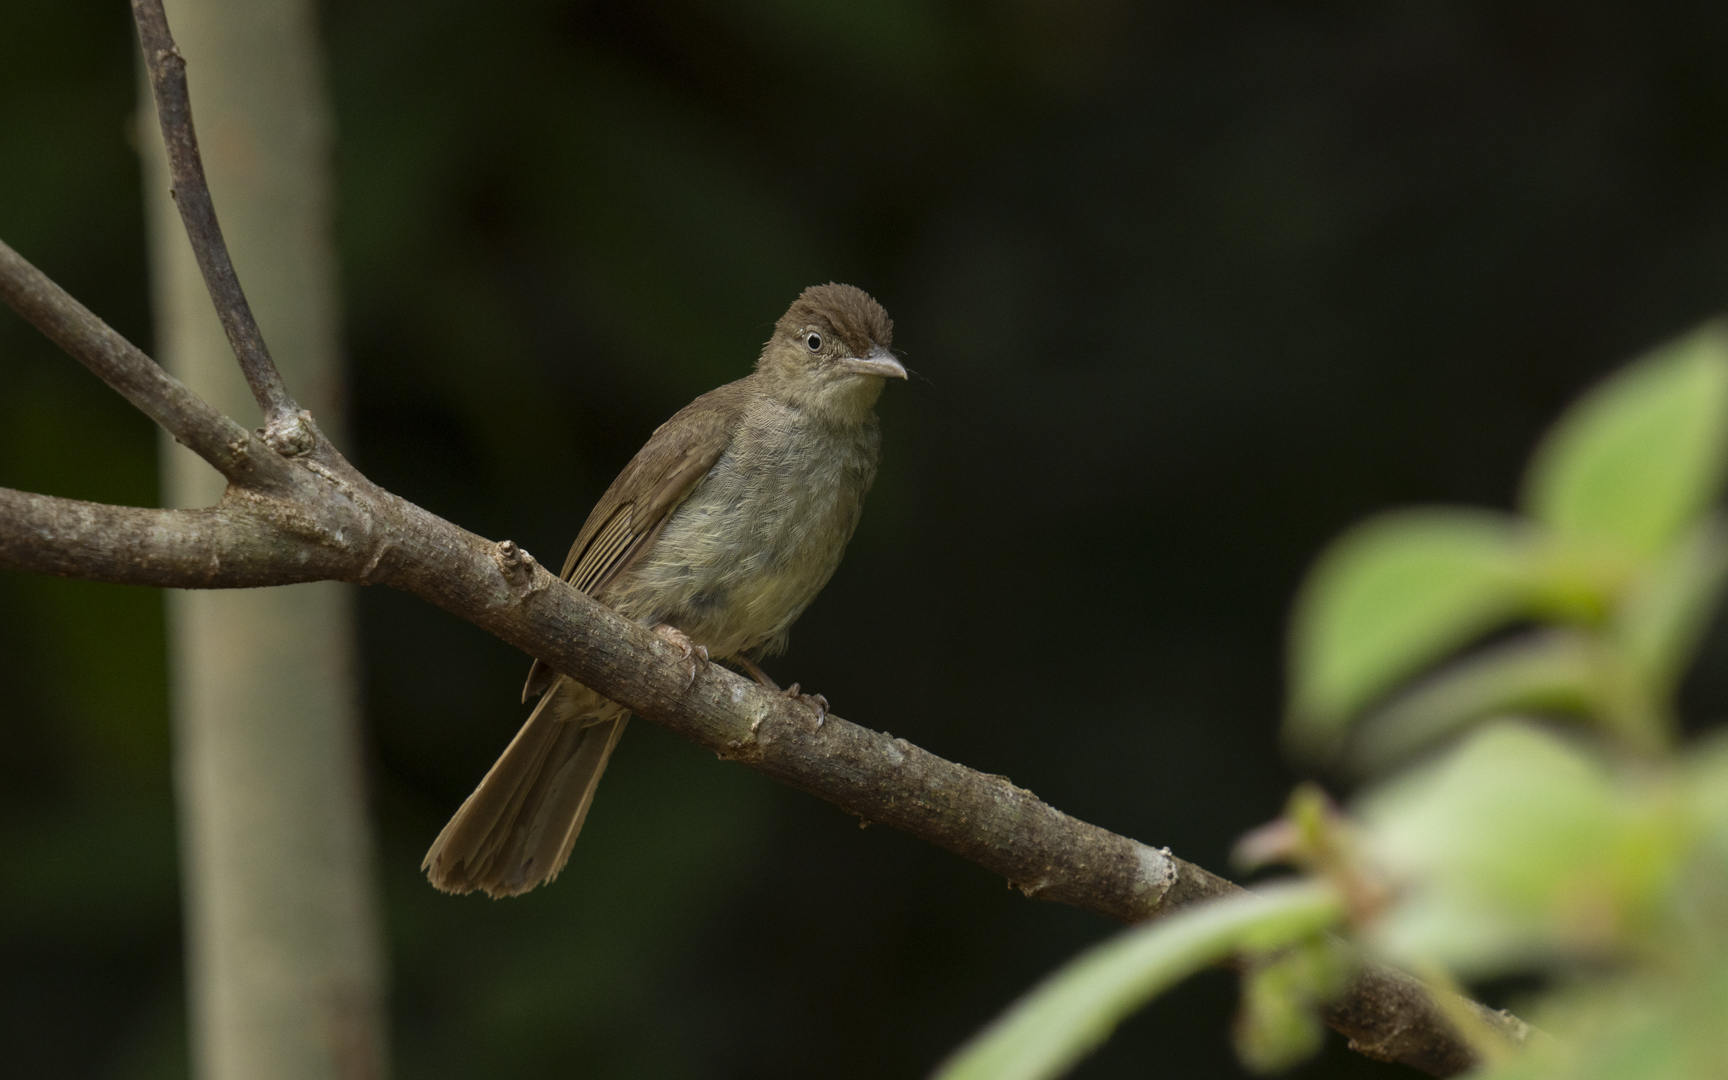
[{"x": 517, "y": 828}]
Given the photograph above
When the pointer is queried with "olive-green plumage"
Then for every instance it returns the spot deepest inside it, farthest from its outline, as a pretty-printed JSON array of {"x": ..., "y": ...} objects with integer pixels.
[{"x": 725, "y": 526}]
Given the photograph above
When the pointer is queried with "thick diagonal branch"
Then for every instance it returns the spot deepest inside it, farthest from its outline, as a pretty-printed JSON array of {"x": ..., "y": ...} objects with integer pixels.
[
  {"x": 167, "y": 70},
  {"x": 314, "y": 516},
  {"x": 310, "y": 515},
  {"x": 1388, "y": 1015},
  {"x": 986, "y": 819}
]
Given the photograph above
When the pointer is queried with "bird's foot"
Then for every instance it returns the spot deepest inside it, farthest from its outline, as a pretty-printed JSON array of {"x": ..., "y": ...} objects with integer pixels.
[
  {"x": 695, "y": 655},
  {"x": 815, "y": 701}
]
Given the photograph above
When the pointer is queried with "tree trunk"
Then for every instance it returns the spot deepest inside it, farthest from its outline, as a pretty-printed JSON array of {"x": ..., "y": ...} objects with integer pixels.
[{"x": 283, "y": 955}]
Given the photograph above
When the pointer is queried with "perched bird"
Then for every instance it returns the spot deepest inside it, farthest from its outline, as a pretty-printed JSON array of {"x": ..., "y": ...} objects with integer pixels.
[{"x": 719, "y": 533}]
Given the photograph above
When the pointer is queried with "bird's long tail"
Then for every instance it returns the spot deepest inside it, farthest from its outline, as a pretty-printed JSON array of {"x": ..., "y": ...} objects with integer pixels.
[{"x": 516, "y": 830}]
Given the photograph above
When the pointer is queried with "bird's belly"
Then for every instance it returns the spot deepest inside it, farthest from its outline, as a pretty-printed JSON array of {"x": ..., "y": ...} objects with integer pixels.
[{"x": 748, "y": 551}]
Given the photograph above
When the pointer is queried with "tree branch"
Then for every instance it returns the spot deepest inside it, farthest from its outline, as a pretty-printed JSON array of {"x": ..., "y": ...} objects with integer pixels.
[
  {"x": 310, "y": 515},
  {"x": 232, "y": 546},
  {"x": 501, "y": 588},
  {"x": 191, "y": 193},
  {"x": 1387, "y": 1015},
  {"x": 232, "y": 449}
]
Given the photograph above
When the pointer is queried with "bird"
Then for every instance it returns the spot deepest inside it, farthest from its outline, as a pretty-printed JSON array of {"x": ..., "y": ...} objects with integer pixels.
[{"x": 718, "y": 534}]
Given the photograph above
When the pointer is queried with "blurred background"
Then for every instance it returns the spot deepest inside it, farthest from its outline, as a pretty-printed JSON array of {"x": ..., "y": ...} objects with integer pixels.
[{"x": 1187, "y": 289}]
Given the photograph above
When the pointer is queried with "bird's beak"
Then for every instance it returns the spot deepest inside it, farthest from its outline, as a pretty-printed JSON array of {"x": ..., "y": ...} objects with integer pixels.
[{"x": 878, "y": 361}]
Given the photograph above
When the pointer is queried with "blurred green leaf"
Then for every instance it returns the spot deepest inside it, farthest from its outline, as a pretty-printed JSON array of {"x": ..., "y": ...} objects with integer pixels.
[
  {"x": 1547, "y": 672},
  {"x": 1074, "y": 1010},
  {"x": 1391, "y": 596},
  {"x": 1641, "y": 456},
  {"x": 1650, "y": 1025},
  {"x": 1517, "y": 848},
  {"x": 1278, "y": 1024},
  {"x": 1704, "y": 773},
  {"x": 1665, "y": 614},
  {"x": 1307, "y": 835},
  {"x": 1576, "y": 582}
]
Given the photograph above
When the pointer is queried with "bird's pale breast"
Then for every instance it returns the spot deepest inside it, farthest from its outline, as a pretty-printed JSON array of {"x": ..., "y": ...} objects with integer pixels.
[{"x": 757, "y": 539}]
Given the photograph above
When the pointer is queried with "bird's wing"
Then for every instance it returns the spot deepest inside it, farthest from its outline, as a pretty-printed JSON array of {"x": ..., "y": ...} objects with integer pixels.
[{"x": 623, "y": 524}]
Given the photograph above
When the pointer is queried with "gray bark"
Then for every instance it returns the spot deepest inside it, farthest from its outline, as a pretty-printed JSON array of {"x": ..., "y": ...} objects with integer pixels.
[
  {"x": 284, "y": 965},
  {"x": 321, "y": 510},
  {"x": 297, "y": 509}
]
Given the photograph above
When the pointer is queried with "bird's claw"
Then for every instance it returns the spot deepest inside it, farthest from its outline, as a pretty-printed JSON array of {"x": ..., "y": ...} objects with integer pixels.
[
  {"x": 815, "y": 701},
  {"x": 695, "y": 655}
]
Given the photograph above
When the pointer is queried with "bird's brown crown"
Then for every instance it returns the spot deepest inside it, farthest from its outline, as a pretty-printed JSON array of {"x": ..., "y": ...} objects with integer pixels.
[{"x": 843, "y": 311}]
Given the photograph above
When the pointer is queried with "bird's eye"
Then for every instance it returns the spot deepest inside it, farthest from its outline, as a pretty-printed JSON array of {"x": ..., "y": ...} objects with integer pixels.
[{"x": 814, "y": 341}]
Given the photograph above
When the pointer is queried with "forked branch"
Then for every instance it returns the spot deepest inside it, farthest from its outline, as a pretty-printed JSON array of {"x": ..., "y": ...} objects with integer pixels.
[
  {"x": 232, "y": 449},
  {"x": 297, "y": 511},
  {"x": 191, "y": 192}
]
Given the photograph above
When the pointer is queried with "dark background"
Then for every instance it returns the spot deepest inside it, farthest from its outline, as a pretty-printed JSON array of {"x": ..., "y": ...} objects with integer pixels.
[{"x": 1188, "y": 288}]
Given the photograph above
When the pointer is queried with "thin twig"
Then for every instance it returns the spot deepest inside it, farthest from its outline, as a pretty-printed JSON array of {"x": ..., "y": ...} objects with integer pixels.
[
  {"x": 191, "y": 193},
  {"x": 233, "y": 450}
]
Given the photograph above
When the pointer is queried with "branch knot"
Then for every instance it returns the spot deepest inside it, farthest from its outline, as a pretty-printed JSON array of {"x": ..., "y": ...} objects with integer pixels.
[
  {"x": 292, "y": 434},
  {"x": 520, "y": 570}
]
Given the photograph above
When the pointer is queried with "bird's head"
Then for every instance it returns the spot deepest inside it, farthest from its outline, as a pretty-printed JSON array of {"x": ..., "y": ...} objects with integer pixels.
[{"x": 830, "y": 352}]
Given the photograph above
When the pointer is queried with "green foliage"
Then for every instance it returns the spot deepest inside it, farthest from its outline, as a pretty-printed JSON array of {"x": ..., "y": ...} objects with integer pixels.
[
  {"x": 1552, "y": 673},
  {"x": 1521, "y": 847},
  {"x": 1619, "y": 551},
  {"x": 1637, "y": 461},
  {"x": 1392, "y": 596},
  {"x": 1279, "y": 1023},
  {"x": 1660, "y": 621},
  {"x": 1657, "y": 1025},
  {"x": 1073, "y": 1011},
  {"x": 1593, "y": 852}
]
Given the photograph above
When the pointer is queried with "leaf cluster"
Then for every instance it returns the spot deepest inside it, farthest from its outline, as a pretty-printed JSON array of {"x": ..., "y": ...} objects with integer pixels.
[{"x": 1505, "y": 683}]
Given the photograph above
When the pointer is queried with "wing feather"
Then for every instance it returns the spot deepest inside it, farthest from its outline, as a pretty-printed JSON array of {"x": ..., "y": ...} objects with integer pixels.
[
  {"x": 623, "y": 525},
  {"x": 603, "y": 553}
]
